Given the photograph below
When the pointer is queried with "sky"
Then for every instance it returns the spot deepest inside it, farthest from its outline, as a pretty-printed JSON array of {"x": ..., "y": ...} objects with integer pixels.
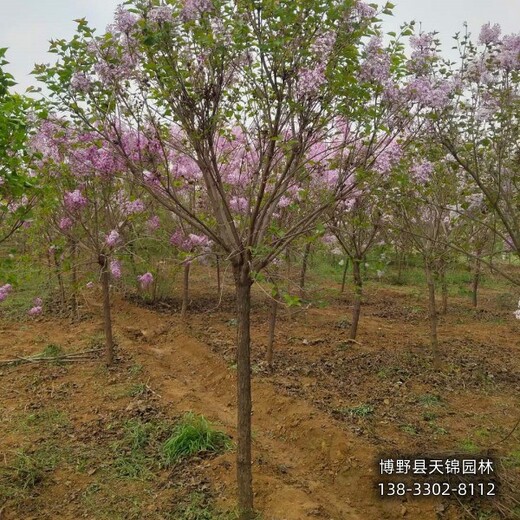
[{"x": 26, "y": 26}]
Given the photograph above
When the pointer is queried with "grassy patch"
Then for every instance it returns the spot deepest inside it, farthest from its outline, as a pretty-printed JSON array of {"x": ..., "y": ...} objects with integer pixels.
[
  {"x": 361, "y": 411},
  {"x": 194, "y": 435},
  {"x": 429, "y": 400},
  {"x": 27, "y": 470},
  {"x": 200, "y": 507}
]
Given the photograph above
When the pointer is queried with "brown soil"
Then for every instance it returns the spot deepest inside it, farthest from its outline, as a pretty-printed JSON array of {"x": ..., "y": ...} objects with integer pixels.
[{"x": 313, "y": 457}]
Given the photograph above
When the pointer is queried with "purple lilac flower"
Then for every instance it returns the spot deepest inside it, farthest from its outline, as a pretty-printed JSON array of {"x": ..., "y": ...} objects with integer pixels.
[
  {"x": 80, "y": 82},
  {"x": 192, "y": 8},
  {"x": 124, "y": 21},
  {"x": 115, "y": 268},
  {"x": 239, "y": 205},
  {"x": 162, "y": 14},
  {"x": 421, "y": 172},
  {"x": 35, "y": 311},
  {"x": 489, "y": 34},
  {"x": 5, "y": 291},
  {"x": 153, "y": 223},
  {"x": 132, "y": 207},
  {"x": 113, "y": 238},
  {"x": 74, "y": 200},
  {"x": 145, "y": 280},
  {"x": 65, "y": 223}
]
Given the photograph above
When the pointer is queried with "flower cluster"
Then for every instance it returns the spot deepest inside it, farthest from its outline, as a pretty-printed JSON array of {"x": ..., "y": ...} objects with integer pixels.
[
  {"x": 74, "y": 200},
  {"x": 489, "y": 34},
  {"x": 115, "y": 268},
  {"x": 113, "y": 238},
  {"x": 5, "y": 290},
  {"x": 422, "y": 171},
  {"x": 193, "y": 8},
  {"x": 145, "y": 280},
  {"x": 190, "y": 242},
  {"x": 65, "y": 224},
  {"x": 37, "y": 307}
]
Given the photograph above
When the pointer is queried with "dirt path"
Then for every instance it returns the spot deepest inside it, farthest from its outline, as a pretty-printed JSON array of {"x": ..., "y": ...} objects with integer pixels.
[{"x": 304, "y": 466}]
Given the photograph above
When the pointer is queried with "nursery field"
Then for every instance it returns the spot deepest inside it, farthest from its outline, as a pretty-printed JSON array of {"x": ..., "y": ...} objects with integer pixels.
[{"x": 81, "y": 440}]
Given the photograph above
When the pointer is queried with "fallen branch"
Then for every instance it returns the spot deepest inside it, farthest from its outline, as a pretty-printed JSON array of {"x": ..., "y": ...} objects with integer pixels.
[{"x": 66, "y": 358}]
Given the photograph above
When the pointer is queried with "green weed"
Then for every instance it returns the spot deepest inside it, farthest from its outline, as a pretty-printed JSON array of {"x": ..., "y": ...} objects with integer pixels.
[{"x": 194, "y": 435}]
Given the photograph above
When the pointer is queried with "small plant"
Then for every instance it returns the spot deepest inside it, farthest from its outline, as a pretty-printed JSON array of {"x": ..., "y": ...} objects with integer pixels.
[
  {"x": 429, "y": 400},
  {"x": 96, "y": 342},
  {"x": 468, "y": 446},
  {"x": 409, "y": 428},
  {"x": 135, "y": 370},
  {"x": 199, "y": 507},
  {"x": 53, "y": 351},
  {"x": 138, "y": 390},
  {"x": 363, "y": 410},
  {"x": 342, "y": 324},
  {"x": 193, "y": 435},
  {"x": 27, "y": 471},
  {"x": 512, "y": 460}
]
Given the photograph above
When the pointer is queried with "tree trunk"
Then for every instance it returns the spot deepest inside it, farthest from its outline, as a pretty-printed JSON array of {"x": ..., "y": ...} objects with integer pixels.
[
  {"x": 243, "y": 283},
  {"x": 476, "y": 282},
  {"x": 57, "y": 267},
  {"x": 185, "y": 290},
  {"x": 219, "y": 281},
  {"x": 358, "y": 294},
  {"x": 344, "y": 280},
  {"x": 273, "y": 310},
  {"x": 304, "y": 268},
  {"x": 74, "y": 280},
  {"x": 444, "y": 289},
  {"x": 400, "y": 268},
  {"x": 433, "y": 316},
  {"x": 107, "y": 318}
]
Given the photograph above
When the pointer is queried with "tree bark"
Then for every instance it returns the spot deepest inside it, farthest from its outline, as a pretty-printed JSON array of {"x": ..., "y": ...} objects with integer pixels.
[
  {"x": 400, "y": 268},
  {"x": 107, "y": 318},
  {"x": 273, "y": 310},
  {"x": 243, "y": 283},
  {"x": 344, "y": 280},
  {"x": 303, "y": 272},
  {"x": 57, "y": 267},
  {"x": 185, "y": 290},
  {"x": 219, "y": 281},
  {"x": 74, "y": 280},
  {"x": 358, "y": 295},
  {"x": 433, "y": 316},
  {"x": 444, "y": 289},
  {"x": 475, "y": 284}
]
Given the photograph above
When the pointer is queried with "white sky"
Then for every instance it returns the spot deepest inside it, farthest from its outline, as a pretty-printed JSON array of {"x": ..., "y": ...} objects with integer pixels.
[{"x": 26, "y": 26}]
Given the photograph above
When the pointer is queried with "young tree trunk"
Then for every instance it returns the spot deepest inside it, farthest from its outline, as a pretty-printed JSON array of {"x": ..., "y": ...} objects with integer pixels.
[
  {"x": 344, "y": 280},
  {"x": 219, "y": 281},
  {"x": 358, "y": 295},
  {"x": 185, "y": 290},
  {"x": 107, "y": 318},
  {"x": 433, "y": 315},
  {"x": 243, "y": 283},
  {"x": 444, "y": 289},
  {"x": 74, "y": 280},
  {"x": 400, "y": 268},
  {"x": 57, "y": 267},
  {"x": 475, "y": 284},
  {"x": 273, "y": 310},
  {"x": 303, "y": 272}
]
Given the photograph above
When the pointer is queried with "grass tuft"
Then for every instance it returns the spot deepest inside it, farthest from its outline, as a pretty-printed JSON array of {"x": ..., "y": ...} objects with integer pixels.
[{"x": 194, "y": 435}]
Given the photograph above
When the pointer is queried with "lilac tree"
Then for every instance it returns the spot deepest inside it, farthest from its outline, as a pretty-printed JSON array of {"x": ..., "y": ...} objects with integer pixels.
[
  {"x": 244, "y": 99},
  {"x": 89, "y": 204},
  {"x": 479, "y": 126}
]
